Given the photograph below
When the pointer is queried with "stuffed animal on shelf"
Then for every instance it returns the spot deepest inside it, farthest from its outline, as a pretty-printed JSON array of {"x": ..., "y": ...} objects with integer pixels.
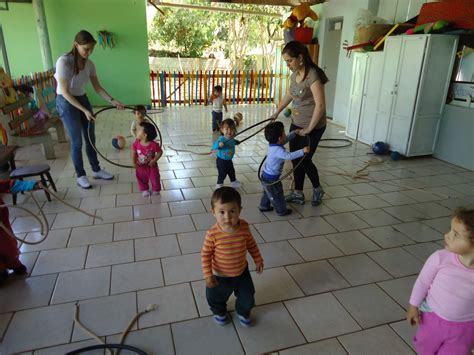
[{"x": 298, "y": 15}]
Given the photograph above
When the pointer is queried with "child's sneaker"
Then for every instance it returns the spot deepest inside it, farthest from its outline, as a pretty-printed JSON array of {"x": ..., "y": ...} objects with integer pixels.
[
  {"x": 235, "y": 184},
  {"x": 221, "y": 320},
  {"x": 20, "y": 270},
  {"x": 146, "y": 193},
  {"x": 295, "y": 197},
  {"x": 219, "y": 185},
  {"x": 245, "y": 322},
  {"x": 318, "y": 194}
]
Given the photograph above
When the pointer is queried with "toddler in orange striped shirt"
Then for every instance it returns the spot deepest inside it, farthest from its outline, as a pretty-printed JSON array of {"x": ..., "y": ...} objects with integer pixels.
[{"x": 224, "y": 258}]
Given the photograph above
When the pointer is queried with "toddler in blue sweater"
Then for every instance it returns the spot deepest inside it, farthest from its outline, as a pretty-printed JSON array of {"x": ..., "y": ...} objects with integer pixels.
[
  {"x": 276, "y": 156},
  {"x": 225, "y": 146}
]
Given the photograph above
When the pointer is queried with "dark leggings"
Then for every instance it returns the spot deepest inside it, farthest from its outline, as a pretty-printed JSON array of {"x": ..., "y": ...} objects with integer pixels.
[{"x": 307, "y": 166}]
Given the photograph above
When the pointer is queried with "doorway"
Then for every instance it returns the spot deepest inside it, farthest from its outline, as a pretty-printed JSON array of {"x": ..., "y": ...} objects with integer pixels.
[{"x": 332, "y": 44}]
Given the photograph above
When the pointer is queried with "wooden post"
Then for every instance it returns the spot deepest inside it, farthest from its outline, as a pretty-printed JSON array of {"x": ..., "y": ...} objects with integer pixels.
[{"x": 42, "y": 27}]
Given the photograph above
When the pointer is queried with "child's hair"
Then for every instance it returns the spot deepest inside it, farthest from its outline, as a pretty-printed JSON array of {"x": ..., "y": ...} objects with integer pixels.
[
  {"x": 226, "y": 194},
  {"x": 149, "y": 130},
  {"x": 238, "y": 118},
  {"x": 141, "y": 109},
  {"x": 466, "y": 217},
  {"x": 274, "y": 131},
  {"x": 229, "y": 122},
  {"x": 25, "y": 89},
  {"x": 218, "y": 88}
]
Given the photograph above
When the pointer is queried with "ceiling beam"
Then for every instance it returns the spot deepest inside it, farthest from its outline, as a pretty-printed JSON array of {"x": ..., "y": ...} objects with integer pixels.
[
  {"x": 216, "y": 8},
  {"x": 271, "y": 2}
]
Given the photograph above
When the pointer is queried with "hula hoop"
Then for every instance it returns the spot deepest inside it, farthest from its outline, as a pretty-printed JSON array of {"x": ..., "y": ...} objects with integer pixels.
[
  {"x": 347, "y": 142},
  {"x": 250, "y": 127},
  {"x": 104, "y": 157},
  {"x": 285, "y": 175}
]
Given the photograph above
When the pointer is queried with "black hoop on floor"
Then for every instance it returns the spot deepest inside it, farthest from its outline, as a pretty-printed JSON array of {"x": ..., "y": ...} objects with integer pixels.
[
  {"x": 285, "y": 175},
  {"x": 107, "y": 346},
  {"x": 104, "y": 157},
  {"x": 347, "y": 142}
]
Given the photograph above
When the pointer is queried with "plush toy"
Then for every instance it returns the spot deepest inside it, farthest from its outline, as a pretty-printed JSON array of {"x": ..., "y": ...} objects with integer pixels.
[
  {"x": 7, "y": 93},
  {"x": 298, "y": 15}
]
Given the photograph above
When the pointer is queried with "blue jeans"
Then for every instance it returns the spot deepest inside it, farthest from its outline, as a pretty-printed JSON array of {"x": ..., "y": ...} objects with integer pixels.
[
  {"x": 76, "y": 125},
  {"x": 216, "y": 120},
  {"x": 273, "y": 196}
]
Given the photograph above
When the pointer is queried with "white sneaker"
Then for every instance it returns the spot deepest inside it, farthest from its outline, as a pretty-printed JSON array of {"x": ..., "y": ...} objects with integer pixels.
[
  {"x": 83, "y": 182},
  {"x": 235, "y": 184},
  {"x": 219, "y": 185},
  {"x": 102, "y": 174},
  {"x": 146, "y": 193}
]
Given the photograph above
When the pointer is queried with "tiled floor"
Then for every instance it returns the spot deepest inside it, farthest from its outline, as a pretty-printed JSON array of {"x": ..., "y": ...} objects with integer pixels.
[{"x": 337, "y": 276}]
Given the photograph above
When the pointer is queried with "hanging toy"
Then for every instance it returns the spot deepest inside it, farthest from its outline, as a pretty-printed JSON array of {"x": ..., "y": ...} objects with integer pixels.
[{"x": 106, "y": 39}]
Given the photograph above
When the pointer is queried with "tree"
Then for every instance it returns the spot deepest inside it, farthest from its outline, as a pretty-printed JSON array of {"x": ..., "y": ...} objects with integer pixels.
[{"x": 183, "y": 31}]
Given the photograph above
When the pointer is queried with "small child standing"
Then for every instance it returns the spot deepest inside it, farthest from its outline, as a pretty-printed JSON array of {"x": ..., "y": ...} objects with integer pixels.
[
  {"x": 217, "y": 102},
  {"x": 224, "y": 258},
  {"x": 276, "y": 156},
  {"x": 225, "y": 146},
  {"x": 444, "y": 293},
  {"x": 140, "y": 116},
  {"x": 145, "y": 155},
  {"x": 9, "y": 251}
]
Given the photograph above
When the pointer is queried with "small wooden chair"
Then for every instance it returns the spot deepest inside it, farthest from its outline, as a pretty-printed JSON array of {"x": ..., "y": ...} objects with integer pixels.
[
  {"x": 14, "y": 116},
  {"x": 34, "y": 170}
]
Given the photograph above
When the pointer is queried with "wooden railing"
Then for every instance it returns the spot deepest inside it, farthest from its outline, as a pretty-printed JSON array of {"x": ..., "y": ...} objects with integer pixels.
[{"x": 195, "y": 88}]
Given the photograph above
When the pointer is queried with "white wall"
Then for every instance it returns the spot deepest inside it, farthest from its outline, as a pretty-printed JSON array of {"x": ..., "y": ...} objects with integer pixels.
[
  {"x": 455, "y": 139},
  {"x": 348, "y": 10}
]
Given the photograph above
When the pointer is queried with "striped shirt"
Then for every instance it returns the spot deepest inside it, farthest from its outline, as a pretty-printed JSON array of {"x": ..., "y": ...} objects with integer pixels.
[{"x": 225, "y": 254}]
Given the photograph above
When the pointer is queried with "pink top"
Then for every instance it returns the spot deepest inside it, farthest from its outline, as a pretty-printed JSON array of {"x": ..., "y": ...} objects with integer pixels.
[
  {"x": 448, "y": 287},
  {"x": 145, "y": 153}
]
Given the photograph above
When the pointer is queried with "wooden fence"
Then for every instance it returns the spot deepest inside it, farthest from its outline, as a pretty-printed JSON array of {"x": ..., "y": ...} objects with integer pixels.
[{"x": 238, "y": 87}]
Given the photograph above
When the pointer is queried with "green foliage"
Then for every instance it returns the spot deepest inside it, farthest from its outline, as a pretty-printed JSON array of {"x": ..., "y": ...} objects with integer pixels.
[
  {"x": 184, "y": 31},
  {"x": 191, "y": 32}
]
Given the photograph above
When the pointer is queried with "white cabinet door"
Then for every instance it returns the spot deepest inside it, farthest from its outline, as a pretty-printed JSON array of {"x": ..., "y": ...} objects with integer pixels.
[
  {"x": 357, "y": 90},
  {"x": 390, "y": 67},
  {"x": 405, "y": 92},
  {"x": 368, "y": 112}
]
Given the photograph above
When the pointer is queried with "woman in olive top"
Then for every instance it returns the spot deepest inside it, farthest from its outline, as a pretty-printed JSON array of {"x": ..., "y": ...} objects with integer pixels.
[{"x": 308, "y": 114}]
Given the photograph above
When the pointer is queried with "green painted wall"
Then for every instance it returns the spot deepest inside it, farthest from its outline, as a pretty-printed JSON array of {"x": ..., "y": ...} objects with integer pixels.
[
  {"x": 21, "y": 39},
  {"x": 122, "y": 71}
]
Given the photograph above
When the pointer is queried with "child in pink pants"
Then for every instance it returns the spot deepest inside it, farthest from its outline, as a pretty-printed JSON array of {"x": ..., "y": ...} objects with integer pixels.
[
  {"x": 444, "y": 293},
  {"x": 145, "y": 154}
]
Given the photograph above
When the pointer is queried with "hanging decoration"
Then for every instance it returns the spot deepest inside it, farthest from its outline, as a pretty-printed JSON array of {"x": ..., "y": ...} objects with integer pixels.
[{"x": 106, "y": 39}]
